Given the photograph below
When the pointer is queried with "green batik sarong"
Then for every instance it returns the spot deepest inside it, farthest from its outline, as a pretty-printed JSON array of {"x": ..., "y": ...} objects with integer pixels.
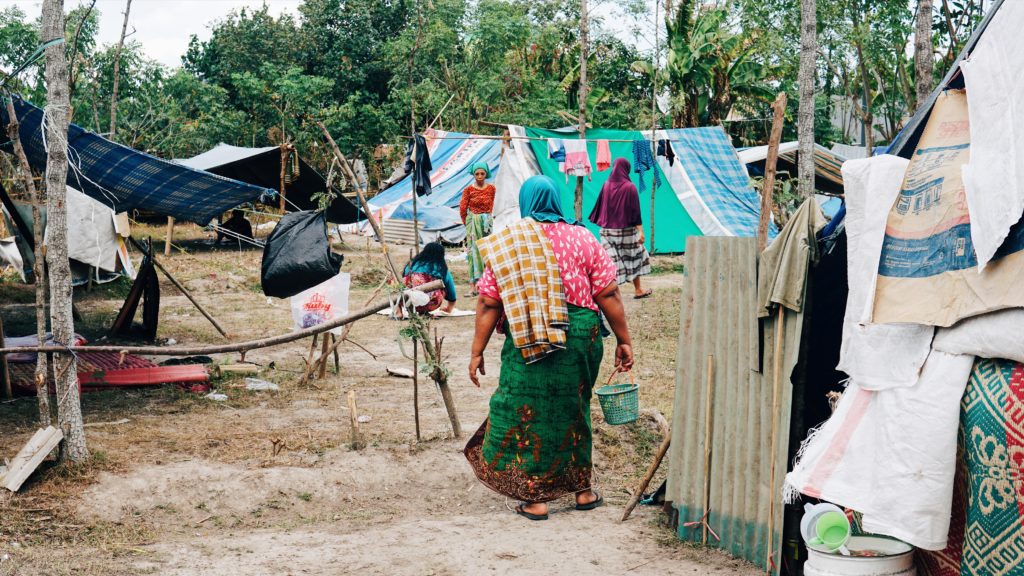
[
  {"x": 478, "y": 227},
  {"x": 535, "y": 444}
]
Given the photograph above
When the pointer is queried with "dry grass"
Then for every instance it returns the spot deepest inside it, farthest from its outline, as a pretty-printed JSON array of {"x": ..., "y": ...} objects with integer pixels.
[{"x": 310, "y": 423}]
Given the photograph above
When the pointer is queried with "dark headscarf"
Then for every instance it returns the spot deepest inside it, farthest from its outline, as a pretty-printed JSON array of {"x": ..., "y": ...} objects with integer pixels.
[
  {"x": 430, "y": 261},
  {"x": 539, "y": 199},
  {"x": 618, "y": 205}
]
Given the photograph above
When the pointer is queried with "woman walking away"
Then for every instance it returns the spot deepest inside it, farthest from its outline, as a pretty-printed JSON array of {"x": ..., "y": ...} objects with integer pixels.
[
  {"x": 544, "y": 282},
  {"x": 617, "y": 212},
  {"x": 475, "y": 209},
  {"x": 428, "y": 266}
]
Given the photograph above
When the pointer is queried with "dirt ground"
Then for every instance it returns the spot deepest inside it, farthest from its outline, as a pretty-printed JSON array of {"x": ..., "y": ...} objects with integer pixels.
[{"x": 192, "y": 486}]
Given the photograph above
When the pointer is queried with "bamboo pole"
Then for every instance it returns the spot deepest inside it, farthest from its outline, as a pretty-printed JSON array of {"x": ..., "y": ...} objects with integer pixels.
[
  {"x": 224, "y": 348},
  {"x": 708, "y": 392},
  {"x": 779, "y": 107},
  {"x": 584, "y": 55},
  {"x": 654, "y": 117},
  {"x": 180, "y": 288},
  {"x": 776, "y": 384}
]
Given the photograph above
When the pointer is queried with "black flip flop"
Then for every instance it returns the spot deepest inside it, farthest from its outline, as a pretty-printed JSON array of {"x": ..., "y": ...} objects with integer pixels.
[
  {"x": 519, "y": 510},
  {"x": 597, "y": 503}
]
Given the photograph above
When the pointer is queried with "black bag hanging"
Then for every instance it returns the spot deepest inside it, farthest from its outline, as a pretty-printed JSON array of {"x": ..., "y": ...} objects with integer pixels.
[{"x": 298, "y": 255}]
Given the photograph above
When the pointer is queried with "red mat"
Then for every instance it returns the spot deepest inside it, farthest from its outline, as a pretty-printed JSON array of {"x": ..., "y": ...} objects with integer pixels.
[{"x": 105, "y": 370}]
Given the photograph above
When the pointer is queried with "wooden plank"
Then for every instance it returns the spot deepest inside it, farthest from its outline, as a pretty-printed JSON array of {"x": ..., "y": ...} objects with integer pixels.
[{"x": 31, "y": 456}]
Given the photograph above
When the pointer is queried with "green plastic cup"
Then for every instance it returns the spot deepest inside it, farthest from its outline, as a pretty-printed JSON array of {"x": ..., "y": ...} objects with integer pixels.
[{"x": 833, "y": 529}]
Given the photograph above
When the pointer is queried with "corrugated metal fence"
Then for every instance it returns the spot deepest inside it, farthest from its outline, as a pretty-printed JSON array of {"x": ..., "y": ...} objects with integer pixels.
[{"x": 719, "y": 319}]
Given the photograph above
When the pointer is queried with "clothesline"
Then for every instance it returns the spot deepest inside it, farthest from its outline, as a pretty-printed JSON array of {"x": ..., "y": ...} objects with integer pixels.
[{"x": 475, "y": 137}]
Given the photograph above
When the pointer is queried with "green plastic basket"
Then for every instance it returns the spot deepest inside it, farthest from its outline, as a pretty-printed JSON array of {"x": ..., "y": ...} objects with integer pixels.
[{"x": 620, "y": 403}]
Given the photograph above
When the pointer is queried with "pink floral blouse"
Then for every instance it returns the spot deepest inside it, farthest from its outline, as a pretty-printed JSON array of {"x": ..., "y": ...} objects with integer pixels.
[{"x": 586, "y": 268}]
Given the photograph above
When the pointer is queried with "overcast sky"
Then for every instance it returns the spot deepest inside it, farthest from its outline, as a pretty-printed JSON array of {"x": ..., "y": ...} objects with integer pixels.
[{"x": 163, "y": 27}]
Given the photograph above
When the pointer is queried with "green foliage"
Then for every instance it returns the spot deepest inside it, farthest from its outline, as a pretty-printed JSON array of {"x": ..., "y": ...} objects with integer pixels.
[{"x": 370, "y": 69}]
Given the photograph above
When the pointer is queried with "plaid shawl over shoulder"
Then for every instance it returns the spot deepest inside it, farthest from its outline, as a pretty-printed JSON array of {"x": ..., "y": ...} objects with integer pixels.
[{"x": 530, "y": 283}]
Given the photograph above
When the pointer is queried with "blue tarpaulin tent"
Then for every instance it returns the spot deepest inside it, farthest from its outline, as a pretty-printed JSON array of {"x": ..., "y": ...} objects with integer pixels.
[{"x": 126, "y": 179}]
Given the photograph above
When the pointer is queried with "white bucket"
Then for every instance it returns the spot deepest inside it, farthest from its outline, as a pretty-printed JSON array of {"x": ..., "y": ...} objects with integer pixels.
[{"x": 894, "y": 558}]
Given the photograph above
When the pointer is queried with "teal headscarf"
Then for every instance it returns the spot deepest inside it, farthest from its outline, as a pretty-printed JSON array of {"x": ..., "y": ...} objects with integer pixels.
[
  {"x": 480, "y": 166},
  {"x": 539, "y": 199}
]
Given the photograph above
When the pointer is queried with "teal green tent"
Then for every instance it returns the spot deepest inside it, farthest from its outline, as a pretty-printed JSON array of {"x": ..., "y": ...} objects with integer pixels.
[{"x": 673, "y": 225}]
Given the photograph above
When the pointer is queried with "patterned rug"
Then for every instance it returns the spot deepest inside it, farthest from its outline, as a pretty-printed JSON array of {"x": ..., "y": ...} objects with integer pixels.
[{"x": 989, "y": 541}]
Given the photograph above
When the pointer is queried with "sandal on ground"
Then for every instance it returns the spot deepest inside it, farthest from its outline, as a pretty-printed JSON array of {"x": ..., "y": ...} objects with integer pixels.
[
  {"x": 597, "y": 503},
  {"x": 519, "y": 510},
  {"x": 644, "y": 294}
]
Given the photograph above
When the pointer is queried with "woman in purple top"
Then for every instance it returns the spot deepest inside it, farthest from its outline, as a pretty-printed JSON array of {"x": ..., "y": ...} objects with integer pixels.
[{"x": 617, "y": 212}]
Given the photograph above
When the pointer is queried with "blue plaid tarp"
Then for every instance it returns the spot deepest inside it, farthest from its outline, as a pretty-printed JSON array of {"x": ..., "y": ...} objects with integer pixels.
[
  {"x": 721, "y": 181},
  {"x": 127, "y": 179}
]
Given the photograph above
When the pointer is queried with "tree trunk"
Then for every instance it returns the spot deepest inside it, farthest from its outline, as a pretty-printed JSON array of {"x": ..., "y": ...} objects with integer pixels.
[
  {"x": 69, "y": 410},
  {"x": 867, "y": 117},
  {"x": 38, "y": 270},
  {"x": 808, "y": 77},
  {"x": 117, "y": 70},
  {"x": 924, "y": 64},
  {"x": 584, "y": 55}
]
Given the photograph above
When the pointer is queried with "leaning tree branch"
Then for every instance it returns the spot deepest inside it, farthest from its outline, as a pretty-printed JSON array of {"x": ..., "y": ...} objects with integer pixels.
[{"x": 224, "y": 348}]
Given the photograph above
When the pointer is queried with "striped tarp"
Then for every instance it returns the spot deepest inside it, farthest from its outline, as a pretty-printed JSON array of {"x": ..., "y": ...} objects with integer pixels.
[{"x": 126, "y": 179}]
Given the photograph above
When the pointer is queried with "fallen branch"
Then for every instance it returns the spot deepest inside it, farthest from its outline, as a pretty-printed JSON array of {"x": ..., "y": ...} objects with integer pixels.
[{"x": 223, "y": 348}]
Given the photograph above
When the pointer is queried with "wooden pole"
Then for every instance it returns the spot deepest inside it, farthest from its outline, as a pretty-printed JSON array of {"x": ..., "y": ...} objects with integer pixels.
[
  {"x": 708, "y": 392},
  {"x": 779, "y": 107},
  {"x": 5, "y": 375},
  {"x": 776, "y": 401},
  {"x": 337, "y": 360},
  {"x": 35, "y": 238},
  {"x": 181, "y": 288},
  {"x": 117, "y": 70},
  {"x": 584, "y": 56},
  {"x": 654, "y": 117},
  {"x": 284, "y": 166},
  {"x": 416, "y": 386},
  {"x": 170, "y": 236},
  {"x": 353, "y": 414},
  {"x": 639, "y": 492},
  {"x": 224, "y": 348}
]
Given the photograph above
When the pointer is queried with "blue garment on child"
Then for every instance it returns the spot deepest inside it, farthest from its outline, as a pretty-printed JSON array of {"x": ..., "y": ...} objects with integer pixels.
[
  {"x": 643, "y": 161},
  {"x": 433, "y": 270}
]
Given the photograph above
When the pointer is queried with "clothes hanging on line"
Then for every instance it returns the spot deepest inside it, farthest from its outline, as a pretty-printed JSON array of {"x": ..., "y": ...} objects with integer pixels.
[
  {"x": 665, "y": 149},
  {"x": 644, "y": 161},
  {"x": 417, "y": 161},
  {"x": 556, "y": 151},
  {"x": 604, "y": 156},
  {"x": 577, "y": 160}
]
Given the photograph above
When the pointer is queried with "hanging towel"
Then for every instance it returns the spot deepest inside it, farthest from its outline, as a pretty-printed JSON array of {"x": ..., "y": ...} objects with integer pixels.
[
  {"x": 577, "y": 160},
  {"x": 665, "y": 149},
  {"x": 643, "y": 161},
  {"x": 556, "y": 150},
  {"x": 417, "y": 161},
  {"x": 604, "y": 156}
]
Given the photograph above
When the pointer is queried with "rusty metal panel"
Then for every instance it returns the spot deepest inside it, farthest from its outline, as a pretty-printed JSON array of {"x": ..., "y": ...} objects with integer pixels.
[{"x": 719, "y": 318}]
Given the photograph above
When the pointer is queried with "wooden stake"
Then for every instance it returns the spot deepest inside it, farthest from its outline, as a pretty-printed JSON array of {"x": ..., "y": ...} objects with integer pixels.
[
  {"x": 337, "y": 359},
  {"x": 312, "y": 350},
  {"x": 776, "y": 384},
  {"x": 324, "y": 353},
  {"x": 284, "y": 166},
  {"x": 5, "y": 375},
  {"x": 779, "y": 107},
  {"x": 353, "y": 414},
  {"x": 170, "y": 235},
  {"x": 708, "y": 392},
  {"x": 639, "y": 492},
  {"x": 178, "y": 284}
]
